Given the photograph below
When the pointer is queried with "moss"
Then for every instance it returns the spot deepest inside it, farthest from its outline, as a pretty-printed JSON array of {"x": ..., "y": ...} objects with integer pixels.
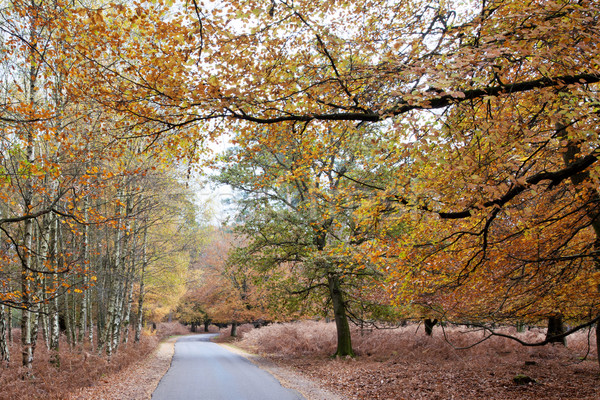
[{"x": 523, "y": 379}]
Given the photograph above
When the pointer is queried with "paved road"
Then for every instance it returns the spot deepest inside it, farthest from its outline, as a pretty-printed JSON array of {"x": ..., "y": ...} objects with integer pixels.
[{"x": 206, "y": 371}]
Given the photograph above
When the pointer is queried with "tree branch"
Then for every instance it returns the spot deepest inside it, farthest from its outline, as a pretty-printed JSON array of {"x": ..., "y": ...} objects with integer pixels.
[{"x": 432, "y": 103}]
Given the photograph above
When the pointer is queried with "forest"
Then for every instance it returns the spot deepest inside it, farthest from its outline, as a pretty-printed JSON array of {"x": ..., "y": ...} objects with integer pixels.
[{"x": 391, "y": 162}]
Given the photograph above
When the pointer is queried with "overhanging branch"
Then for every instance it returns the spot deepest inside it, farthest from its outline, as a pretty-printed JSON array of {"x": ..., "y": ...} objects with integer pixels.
[{"x": 438, "y": 102}]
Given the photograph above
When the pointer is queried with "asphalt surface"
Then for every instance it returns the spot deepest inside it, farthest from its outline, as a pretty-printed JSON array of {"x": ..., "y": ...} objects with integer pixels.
[{"x": 204, "y": 370}]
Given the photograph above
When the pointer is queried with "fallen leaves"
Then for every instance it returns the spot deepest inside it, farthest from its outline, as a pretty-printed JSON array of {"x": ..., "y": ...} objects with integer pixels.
[{"x": 404, "y": 364}]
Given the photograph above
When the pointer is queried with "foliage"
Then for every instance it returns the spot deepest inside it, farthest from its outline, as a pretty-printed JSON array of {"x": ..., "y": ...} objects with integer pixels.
[
  {"x": 224, "y": 292},
  {"x": 441, "y": 154},
  {"x": 488, "y": 114}
]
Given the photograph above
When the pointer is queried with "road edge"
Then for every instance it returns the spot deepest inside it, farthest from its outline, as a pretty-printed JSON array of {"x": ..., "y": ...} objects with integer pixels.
[
  {"x": 165, "y": 350},
  {"x": 287, "y": 377}
]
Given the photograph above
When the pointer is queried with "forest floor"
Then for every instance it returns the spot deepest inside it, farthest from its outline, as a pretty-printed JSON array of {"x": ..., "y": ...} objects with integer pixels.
[
  {"x": 394, "y": 364},
  {"x": 132, "y": 373},
  {"x": 404, "y": 363},
  {"x": 136, "y": 382}
]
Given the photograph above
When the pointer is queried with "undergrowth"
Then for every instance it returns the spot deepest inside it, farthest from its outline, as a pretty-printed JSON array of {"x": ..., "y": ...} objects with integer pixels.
[
  {"x": 79, "y": 366},
  {"x": 405, "y": 363},
  {"x": 409, "y": 343}
]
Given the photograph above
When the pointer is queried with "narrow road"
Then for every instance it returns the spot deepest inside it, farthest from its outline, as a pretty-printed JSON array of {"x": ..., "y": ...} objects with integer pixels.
[{"x": 204, "y": 370}]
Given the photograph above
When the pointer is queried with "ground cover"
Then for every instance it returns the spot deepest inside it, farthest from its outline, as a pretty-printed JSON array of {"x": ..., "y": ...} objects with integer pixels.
[
  {"x": 83, "y": 374},
  {"x": 404, "y": 363}
]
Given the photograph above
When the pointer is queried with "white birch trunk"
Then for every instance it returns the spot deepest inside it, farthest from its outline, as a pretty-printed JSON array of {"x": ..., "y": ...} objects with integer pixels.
[
  {"x": 140, "y": 314},
  {"x": 129, "y": 285},
  {"x": 4, "y": 352},
  {"x": 113, "y": 316},
  {"x": 54, "y": 317},
  {"x": 9, "y": 324},
  {"x": 43, "y": 260},
  {"x": 83, "y": 314},
  {"x": 26, "y": 345},
  {"x": 127, "y": 312},
  {"x": 26, "y": 259},
  {"x": 122, "y": 278}
]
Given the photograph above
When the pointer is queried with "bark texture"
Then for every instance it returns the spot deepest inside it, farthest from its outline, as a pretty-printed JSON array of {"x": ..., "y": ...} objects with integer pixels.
[{"x": 344, "y": 340}]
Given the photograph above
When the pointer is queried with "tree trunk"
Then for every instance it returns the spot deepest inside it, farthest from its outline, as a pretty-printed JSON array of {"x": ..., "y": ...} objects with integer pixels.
[
  {"x": 129, "y": 282},
  {"x": 234, "y": 326},
  {"x": 122, "y": 279},
  {"x": 520, "y": 326},
  {"x": 127, "y": 313},
  {"x": 35, "y": 326},
  {"x": 9, "y": 323},
  {"x": 44, "y": 317},
  {"x": 67, "y": 319},
  {"x": 120, "y": 296},
  {"x": 28, "y": 191},
  {"x": 555, "y": 328},
  {"x": 102, "y": 300},
  {"x": 429, "y": 324},
  {"x": 90, "y": 320},
  {"x": 45, "y": 259},
  {"x": 344, "y": 340},
  {"x": 140, "y": 312},
  {"x": 26, "y": 350},
  {"x": 54, "y": 307},
  {"x": 4, "y": 353},
  {"x": 26, "y": 347},
  {"x": 26, "y": 276},
  {"x": 83, "y": 313},
  {"x": 206, "y": 324},
  {"x": 113, "y": 317},
  {"x": 54, "y": 330},
  {"x": 89, "y": 290},
  {"x": 110, "y": 315}
]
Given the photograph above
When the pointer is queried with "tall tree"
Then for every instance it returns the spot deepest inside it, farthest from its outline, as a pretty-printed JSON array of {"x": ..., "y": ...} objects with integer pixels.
[{"x": 300, "y": 216}]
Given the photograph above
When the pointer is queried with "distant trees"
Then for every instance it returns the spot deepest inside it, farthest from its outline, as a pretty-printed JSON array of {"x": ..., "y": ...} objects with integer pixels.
[{"x": 224, "y": 292}]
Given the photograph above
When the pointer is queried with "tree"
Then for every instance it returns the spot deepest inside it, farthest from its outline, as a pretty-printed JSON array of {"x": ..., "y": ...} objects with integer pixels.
[
  {"x": 478, "y": 91},
  {"x": 301, "y": 220},
  {"x": 505, "y": 91},
  {"x": 70, "y": 196}
]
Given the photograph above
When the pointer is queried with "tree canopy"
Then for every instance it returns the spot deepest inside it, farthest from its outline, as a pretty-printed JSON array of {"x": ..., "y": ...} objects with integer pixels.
[{"x": 447, "y": 148}]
